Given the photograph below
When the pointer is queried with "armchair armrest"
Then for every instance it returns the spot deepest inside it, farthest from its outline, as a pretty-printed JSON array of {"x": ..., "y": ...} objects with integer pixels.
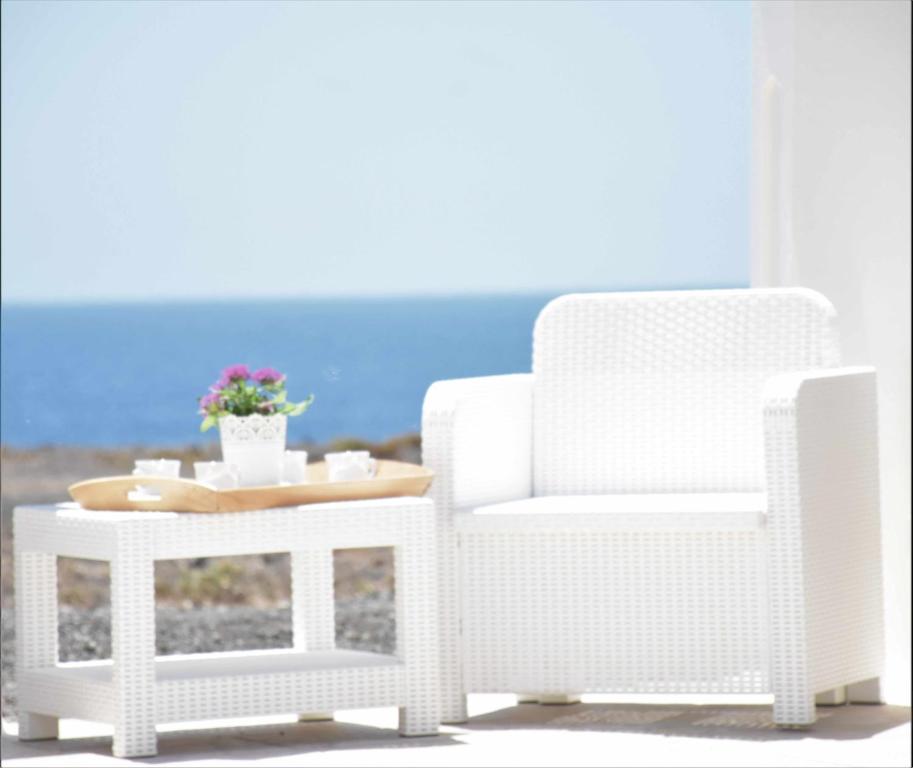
[
  {"x": 477, "y": 438},
  {"x": 821, "y": 452}
]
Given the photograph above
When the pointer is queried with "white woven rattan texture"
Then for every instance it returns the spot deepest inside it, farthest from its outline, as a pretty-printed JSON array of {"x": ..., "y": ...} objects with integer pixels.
[
  {"x": 263, "y": 694},
  {"x": 129, "y": 693},
  {"x": 133, "y": 641},
  {"x": 313, "y": 605},
  {"x": 614, "y": 612},
  {"x": 36, "y": 608},
  {"x": 660, "y": 392},
  {"x": 476, "y": 437},
  {"x": 87, "y": 700},
  {"x": 415, "y": 558},
  {"x": 826, "y": 579}
]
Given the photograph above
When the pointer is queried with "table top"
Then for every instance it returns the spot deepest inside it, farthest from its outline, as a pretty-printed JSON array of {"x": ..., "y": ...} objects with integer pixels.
[
  {"x": 68, "y": 530},
  {"x": 70, "y": 510}
]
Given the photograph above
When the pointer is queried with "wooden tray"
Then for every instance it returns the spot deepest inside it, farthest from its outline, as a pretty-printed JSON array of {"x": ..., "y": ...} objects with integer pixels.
[{"x": 393, "y": 478}]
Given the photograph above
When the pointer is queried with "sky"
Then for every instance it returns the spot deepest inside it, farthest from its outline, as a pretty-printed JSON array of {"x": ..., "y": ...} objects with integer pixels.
[{"x": 180, "y": 150}]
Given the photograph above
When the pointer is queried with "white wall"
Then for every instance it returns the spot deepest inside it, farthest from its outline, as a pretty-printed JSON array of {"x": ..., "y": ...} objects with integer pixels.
[{"x": 831, "y": 210}]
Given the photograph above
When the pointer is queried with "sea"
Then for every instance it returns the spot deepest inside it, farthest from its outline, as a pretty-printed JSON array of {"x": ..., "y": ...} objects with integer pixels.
[{"x": 130, "y": 374}]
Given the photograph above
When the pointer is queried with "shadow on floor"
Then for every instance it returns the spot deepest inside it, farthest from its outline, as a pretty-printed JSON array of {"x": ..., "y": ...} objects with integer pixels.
[
  {"x": 751, "y": 723},
  {"x": 255, "y": 742}
]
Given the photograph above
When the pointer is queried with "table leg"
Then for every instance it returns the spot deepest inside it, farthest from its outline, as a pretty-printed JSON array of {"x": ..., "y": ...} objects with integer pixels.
[
  {"x": 133, "y": 645},
  {"x": 36, "y": 631},
  {"x": 313, "y": 608},
  {"x": 416, "y": 634}
]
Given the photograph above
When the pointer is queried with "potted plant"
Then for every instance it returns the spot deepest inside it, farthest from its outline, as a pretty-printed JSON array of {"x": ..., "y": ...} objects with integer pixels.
[{"x": 251, "y": 411}]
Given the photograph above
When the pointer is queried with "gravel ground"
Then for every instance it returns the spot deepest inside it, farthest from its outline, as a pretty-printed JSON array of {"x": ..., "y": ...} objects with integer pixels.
[{"x": 363, "y": 622}]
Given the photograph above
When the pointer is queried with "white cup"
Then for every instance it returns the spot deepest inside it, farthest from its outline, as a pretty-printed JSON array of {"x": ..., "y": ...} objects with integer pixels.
[
  {"x": 294, "y": 467},
  {"x": 350, "y": 465},
  {"x": 218, "y": 474},
  {"x": 157, "y": 467},
  {"x": 153, "y": 468}
]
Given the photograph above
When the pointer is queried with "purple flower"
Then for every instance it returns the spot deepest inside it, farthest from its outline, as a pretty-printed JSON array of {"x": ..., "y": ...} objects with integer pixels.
[
  {"x": 235, "y": 373},
  {"x": 268, "y": 376},
  {"x": 208, "y": 401},
  {"x": 221, "y": 384}
]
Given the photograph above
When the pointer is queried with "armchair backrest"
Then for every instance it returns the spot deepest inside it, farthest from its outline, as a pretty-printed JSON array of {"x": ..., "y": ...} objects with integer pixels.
[{"x": 661, "y": 391}]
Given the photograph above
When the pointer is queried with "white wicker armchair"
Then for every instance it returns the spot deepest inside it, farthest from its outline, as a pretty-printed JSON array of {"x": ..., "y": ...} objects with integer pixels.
[{"x": 681, "y": 498}]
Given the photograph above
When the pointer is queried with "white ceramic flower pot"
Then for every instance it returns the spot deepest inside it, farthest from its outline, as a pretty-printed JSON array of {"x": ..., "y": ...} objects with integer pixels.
[{"x": 255, "y": 445}]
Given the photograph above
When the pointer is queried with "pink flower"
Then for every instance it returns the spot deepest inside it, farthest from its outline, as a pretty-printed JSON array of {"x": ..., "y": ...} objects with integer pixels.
[
  {"x": 268, "y": 376},
  {"x": 223, "y": 383},
  {"x": 237, "y": 372},
  {"x": 209, "y": 402}
]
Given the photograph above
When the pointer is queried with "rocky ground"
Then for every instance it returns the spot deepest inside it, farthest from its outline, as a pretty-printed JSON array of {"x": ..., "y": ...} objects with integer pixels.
[{"x": 205, "y": 604}]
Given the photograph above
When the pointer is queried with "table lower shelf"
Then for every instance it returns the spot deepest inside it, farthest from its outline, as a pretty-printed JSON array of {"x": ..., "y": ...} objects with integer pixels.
[{"x": 217, "y": 685}]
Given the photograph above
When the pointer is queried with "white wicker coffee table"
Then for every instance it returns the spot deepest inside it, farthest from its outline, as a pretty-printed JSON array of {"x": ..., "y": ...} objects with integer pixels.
[{"x": 135, "y": 690}]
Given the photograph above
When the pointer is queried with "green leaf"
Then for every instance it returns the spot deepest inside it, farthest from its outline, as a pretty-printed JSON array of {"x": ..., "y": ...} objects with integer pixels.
[
  {"x": 280, "y": 397},
  {"x": 209, "y": 422},
  {"x": 301, "y": 407}
]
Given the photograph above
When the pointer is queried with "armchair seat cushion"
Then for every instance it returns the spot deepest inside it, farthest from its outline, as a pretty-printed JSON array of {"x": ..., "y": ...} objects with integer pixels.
[{"x": 629, "y": 511}]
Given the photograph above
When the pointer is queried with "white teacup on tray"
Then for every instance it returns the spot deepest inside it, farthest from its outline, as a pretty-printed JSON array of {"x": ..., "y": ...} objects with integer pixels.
[
  {"x": 157, "y": 467},
  {"x": 350, "y": 465},
  {"x": 294, "y": 467},
  {"x": 218, "y": 474},
  {"x": 153, "y": 468}
]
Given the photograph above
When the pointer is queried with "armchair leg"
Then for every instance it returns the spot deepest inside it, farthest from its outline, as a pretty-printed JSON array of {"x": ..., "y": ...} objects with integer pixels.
[
  {"x": 548, "y": 698},
  {"x": 835, "y": 697},
  {"x": 559, "y": 698},
  {"x": 865, "y": 692},
  {"x": 33, "y": 726},
  {"x": 453, "y": 708},
  {"x": 795, "y": 711}
]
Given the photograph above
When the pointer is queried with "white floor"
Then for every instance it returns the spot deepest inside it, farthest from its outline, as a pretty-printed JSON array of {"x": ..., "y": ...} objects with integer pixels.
[{"x": 600, "y": 731}]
